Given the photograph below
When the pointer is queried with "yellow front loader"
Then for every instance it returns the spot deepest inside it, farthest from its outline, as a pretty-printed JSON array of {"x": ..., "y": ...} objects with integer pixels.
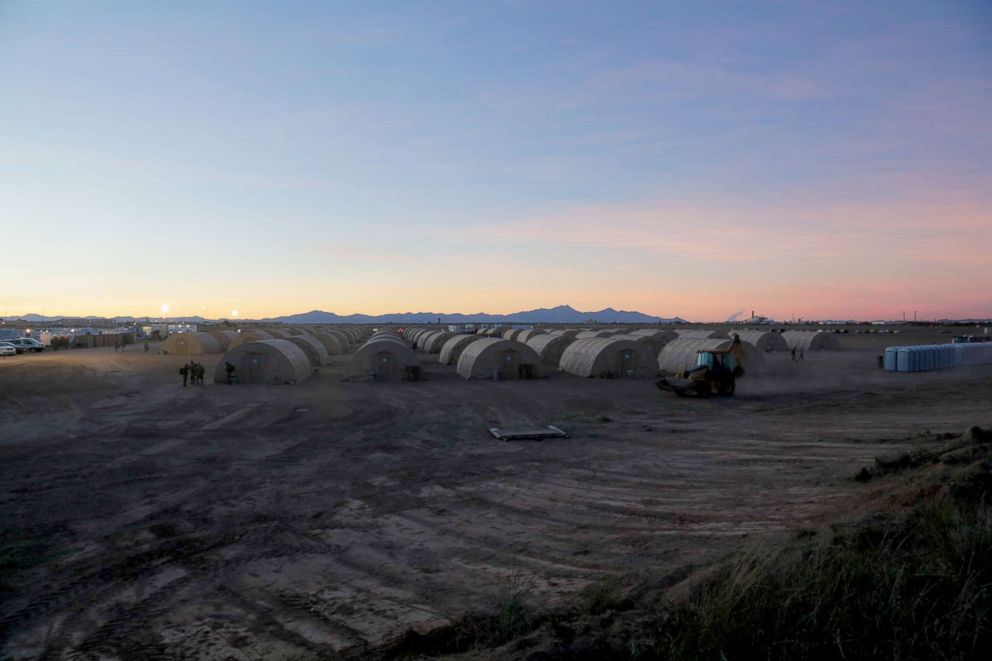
[{"x": 715, "y": 373}]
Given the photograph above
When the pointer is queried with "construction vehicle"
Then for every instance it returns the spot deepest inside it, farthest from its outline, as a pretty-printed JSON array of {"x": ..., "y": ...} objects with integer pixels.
[{"x": 715, "y": 373}]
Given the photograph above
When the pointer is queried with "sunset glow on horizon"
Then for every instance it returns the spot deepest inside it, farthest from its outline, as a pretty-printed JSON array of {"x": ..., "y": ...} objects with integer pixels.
[{"x": 260, "y": 159}]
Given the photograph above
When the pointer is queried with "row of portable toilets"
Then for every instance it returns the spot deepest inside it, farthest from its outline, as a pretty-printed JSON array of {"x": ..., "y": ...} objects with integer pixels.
[{"x": 925, "y": 357}]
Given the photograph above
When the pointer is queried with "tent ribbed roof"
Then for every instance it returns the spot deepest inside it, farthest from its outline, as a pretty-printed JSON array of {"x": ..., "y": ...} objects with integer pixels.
[
  {"x": 598, "y": 357},
  {"x": 453, "y": 347}
]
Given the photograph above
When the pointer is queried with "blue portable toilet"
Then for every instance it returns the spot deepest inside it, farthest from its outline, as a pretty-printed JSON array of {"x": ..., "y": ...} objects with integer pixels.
[{"x": 889, "y": 361}]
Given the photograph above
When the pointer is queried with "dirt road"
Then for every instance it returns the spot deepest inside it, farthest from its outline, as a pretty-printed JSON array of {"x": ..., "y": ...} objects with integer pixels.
[{"x": 140, "y": 519}]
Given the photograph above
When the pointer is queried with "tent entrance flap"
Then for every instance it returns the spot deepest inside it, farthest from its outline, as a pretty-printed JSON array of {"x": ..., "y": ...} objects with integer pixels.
[
  {"x": 384, "y": 366},
  {"x": 254, "y": 368}
]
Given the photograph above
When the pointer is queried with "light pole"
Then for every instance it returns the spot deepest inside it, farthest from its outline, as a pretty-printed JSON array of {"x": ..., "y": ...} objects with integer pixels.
[{"x": 165, "y": 311}]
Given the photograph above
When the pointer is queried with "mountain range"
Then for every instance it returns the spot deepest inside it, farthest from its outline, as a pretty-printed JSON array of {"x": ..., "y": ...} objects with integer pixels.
[{"x": 562, "y": 314}]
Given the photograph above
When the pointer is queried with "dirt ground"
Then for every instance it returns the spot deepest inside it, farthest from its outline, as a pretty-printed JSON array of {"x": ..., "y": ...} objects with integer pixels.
[{"x": 143, "y": 520}]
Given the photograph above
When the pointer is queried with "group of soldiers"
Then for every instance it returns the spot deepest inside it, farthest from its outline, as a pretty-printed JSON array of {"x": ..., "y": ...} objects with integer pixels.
[{"x": 193, "y": 372}]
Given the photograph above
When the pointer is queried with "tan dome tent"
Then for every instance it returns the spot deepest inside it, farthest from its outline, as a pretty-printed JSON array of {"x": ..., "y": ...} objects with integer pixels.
[
  {"x": 279, "y": 333},
  {"x": 491, "y": 356},
  {"x": 424, "y": 338},
  {"x": 608, "y": 357},
  {"x": 311, "y": 346},
  {"x": 191, "y": 344},
  {"x": 453, "y": 348},
  {"x": 592, "y": 334},
  {"x": 343, "y": 339},
  {"x": 658, "y": 335},
  {"x": 511, "y": 333},
  {"x": 224, "y": 337},
  {"x": 267, "y": 362},
  {"x": 550, "y": 348},
  {"x": 527, "y": 334},
  {"x": 436, "y": 341},
  {"x": 807, "y": 341},
  {"x": 650, "y": 343},
  {"x": 681, "y": 354},
  {"x": 253, "y": 335},
  {"x": 701, "y": 333},
  {"x": 333, "y": 344},
  {"x": 565, "y": 332},
  {"x": 384, "y": 357},
  {"x": 762, "y": 340}
]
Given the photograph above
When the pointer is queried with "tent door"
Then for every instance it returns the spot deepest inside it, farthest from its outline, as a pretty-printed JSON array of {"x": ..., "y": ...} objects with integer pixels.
[
  {"x": 253, "y": 368},
  {"x": 508, "y": 361},
  {"x": 385, "y": 366},
  {"x": 626, "y": 363}
]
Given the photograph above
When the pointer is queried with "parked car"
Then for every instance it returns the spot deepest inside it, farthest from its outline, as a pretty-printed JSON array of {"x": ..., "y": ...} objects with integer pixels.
[
  {"x": 23, "y": 344},
  {"x": 7, "y": 349}
]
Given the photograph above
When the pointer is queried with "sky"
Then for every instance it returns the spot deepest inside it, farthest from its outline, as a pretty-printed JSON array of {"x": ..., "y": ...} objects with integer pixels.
[{"x": 807, "y": 159}]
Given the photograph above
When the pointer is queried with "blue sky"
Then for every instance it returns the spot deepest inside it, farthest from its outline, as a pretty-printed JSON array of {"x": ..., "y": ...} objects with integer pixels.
[{"x": 811, "y": 158}]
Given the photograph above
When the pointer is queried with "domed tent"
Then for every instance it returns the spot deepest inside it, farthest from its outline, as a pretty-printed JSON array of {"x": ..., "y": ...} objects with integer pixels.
[
  {"x": 453, "y": 348},
  {"x": 343, "y": 339},
  {"x": 280, "y": 333},
  {"x": 384, "y": 357},
  {"x": 436, "y": 341},
  {"x": 224, "y": 337},
  {"x": 333, "y": 344},
  {"x": 807, "y": 341},
  {"x": 762, "y": 340},
  {"x": 657, "y": 334},
  {"x": 349, "y": 335},
  {"x": 423, "y": 339},
  {"x": 268, "y": 362},
  {"x": 253, "y": 335},
  {"x": 511, "y": 333},
  {"x": 681, "y": 354},
  {"x": 527, "y": 334},
  {"x": 701, "y": 333},
  {"x": 312, "y": 347},
  {"x": 191, "y": 344},
  {"x": 550, "y": 348},
  {"x": 492, "y": 355},
  {"x": 566, "y": 332},
  {"x": 608, "y": 357},
  {"x": 648, "y": 343},
  {"x": 592, "y": 334}
]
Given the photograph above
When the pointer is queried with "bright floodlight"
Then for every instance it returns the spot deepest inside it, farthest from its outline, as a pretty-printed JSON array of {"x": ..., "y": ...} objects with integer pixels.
[{"x": 165, "y": 307}]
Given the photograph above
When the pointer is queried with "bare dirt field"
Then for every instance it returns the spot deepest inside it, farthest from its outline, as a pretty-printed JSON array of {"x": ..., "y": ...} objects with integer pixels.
[{"x": 140, "y": 519}]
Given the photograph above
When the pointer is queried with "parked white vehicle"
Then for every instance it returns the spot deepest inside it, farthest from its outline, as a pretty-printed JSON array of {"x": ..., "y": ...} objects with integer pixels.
[
  {"x": 7, "y": 349},
  {"x": 23, "y": 344}
]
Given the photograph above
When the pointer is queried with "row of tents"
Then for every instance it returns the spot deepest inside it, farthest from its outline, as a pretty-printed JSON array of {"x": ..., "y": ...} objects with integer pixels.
[
  {"x": 267, "y": 355},
  {"x": 290, "y": 354},
  {"x": 529, "y": 353}
]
